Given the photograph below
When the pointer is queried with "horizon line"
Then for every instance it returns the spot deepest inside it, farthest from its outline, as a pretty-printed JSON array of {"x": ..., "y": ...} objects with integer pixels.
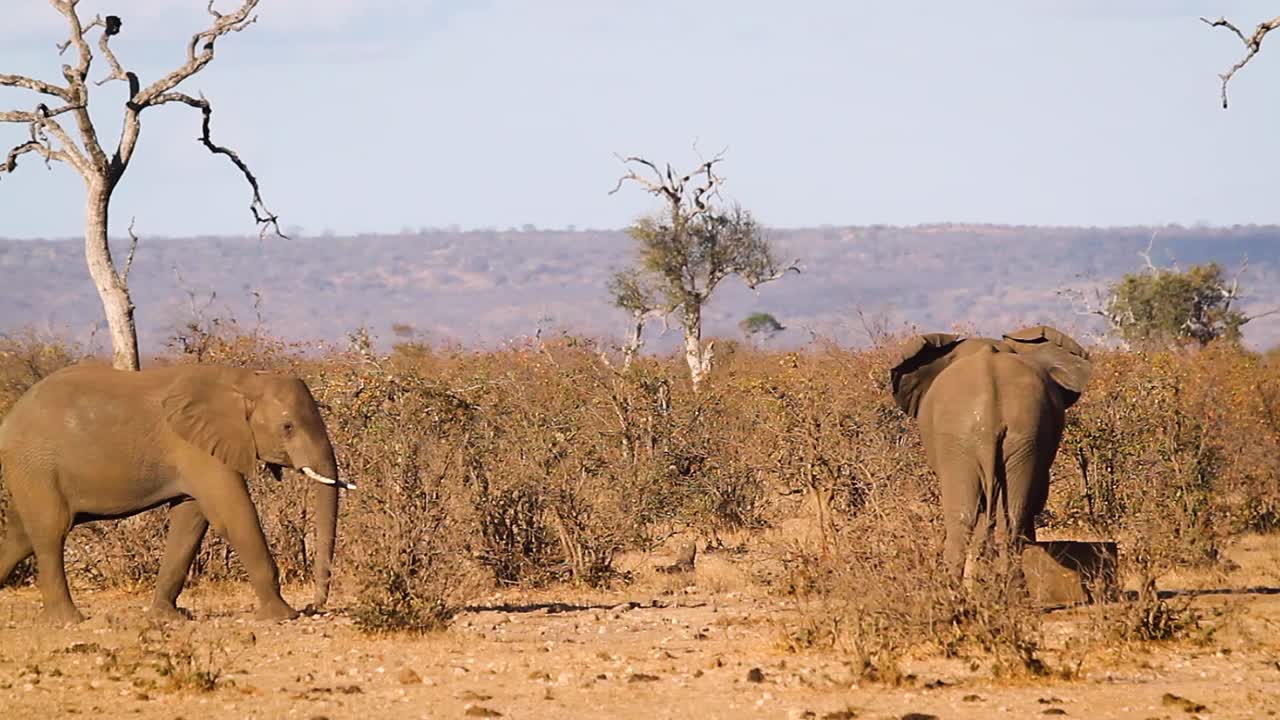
[{"x": 529, "y": 228}]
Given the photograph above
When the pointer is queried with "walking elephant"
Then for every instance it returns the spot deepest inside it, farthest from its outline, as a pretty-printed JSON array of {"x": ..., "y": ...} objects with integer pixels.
[
  {"x": 92, "y": 443},
  {"x": 991, "y": 415}
]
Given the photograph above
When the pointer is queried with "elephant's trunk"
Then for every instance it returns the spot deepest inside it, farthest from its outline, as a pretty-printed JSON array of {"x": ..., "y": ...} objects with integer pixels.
[
  {"x": 326, "y": 514},
  {"x": 326, "y": 488}
]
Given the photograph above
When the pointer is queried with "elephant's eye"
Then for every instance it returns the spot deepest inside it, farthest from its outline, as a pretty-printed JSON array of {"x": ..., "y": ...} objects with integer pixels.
[{"x": 288, "y": 426}]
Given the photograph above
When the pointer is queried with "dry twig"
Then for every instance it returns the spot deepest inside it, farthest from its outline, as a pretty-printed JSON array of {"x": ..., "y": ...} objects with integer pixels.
[{"x": 1252, "y": 44}]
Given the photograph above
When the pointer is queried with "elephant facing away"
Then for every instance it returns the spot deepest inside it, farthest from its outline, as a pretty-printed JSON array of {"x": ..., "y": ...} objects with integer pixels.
[
  {"x": 92, "y": 443},
  {"x": 991, "y": 415}
]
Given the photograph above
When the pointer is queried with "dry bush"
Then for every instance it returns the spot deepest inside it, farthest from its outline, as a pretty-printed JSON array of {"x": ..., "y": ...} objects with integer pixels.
[
  {"x": 874, "y": 592},
  {"x": 402, "y": 435},
  {"x": 26, "y": 358},
  {"x": 540, "y": 461},
  {"x": 1171, "y": 453},
  {"x": 879, "y": 599}
]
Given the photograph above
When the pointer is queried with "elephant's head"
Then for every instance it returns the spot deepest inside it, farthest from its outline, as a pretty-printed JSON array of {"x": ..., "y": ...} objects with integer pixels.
[
  {"x": 1064, "y": 361},
  {"x": 920, "y": 359},
  {"x": 243, "y": 417}
]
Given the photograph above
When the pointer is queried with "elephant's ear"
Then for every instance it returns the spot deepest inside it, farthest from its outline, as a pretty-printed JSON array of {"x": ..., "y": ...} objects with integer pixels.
[
  {"x": 917, "y": 362},
  {"x": 1066, "y": 362},
  {"x": 214, "y": 417}
]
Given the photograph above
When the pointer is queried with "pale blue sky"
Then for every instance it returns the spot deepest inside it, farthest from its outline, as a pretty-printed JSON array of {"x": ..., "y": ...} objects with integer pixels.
[{"x": 372, "y": 115}]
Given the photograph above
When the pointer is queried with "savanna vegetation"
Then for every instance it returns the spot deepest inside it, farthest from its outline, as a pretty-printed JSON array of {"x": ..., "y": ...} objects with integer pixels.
[{"x": 541, "y": 463}]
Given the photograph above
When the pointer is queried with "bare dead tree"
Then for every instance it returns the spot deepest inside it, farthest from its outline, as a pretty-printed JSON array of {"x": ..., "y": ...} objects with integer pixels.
[
  {"x": 685, "y": 252},
  {"x": 102, "y": 173},
  {"x": 1252, "y": 44}
]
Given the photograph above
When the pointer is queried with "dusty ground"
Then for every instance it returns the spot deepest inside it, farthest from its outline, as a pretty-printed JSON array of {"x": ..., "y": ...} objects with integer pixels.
[{"x": 683, "y": 648}]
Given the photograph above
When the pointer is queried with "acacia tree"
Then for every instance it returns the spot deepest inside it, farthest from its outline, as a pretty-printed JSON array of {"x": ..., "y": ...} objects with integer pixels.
[
  {"x": 1252, "y": 44},
  {"x": 1165, "y": 306},
  {"x": 102, "y": 173},
  {"x": 760, "y": 324},
  {"x": 632, "y": 291},
  {"x": 684, "y": 251}
]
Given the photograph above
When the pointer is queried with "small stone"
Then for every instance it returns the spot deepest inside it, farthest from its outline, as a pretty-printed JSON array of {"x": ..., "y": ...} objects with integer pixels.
[
  {"x": 755, "y": 675},
  {"x": 1187, "y": 706},
  {"x": 481, "y": 711},
  {"x": 800, "y": 714},
  {"x": 1054, "y": 711},
  {"x": 408, "y": 676},
  {"x": 845, "y": 714},
  {"x": 972, "y": 698},
  {"x": 935, "y": 684},
  {"x": 919, "y": 716},
  {"x": 642, "y": 677}
]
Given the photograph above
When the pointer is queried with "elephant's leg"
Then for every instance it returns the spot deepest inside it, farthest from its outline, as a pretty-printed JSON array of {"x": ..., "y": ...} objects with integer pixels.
[
  {"x": 961, "y": 507},
  {"x": 1026, "y": 488},
  {"x": 228, "y": 506},
  {"x": 15, "y": 548},
  {"x": 187, "y": 526},
  {"x": 47, "y": 530}
]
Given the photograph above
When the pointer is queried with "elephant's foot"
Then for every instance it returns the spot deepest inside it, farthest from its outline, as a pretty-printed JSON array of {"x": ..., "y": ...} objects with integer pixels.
[
  {"x": 278, "y": 610},
  {"x": 64, "y": 615},
  {"x": 168, "y": 612}
]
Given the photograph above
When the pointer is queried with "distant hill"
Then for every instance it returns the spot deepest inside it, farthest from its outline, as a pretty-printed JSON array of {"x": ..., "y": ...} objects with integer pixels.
[{"x": 479, "y": 288}]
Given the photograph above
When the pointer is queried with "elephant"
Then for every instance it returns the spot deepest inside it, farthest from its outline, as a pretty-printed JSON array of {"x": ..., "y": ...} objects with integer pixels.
[
  {"x": 89, "y": 442},
  {"x": 991, "y": 415}
]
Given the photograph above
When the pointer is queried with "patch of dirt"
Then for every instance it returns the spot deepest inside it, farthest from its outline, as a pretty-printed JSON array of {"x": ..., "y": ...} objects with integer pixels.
[{"x": 686, "y": 648}]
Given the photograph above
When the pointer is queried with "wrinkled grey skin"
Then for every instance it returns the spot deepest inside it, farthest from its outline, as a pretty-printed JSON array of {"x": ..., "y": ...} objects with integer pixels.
[
  {"x": 991, "y": 415},
  {"x": 92, "y": 443}
]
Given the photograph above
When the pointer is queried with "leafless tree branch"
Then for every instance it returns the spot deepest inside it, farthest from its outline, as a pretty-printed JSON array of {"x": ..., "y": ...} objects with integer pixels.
[
  {"x": 78, "y": 37},
  {"x": 793, "y": 266},
  {"x": 672, "y": 187},
  {"x": 11, "y": 160},
  {"x": 133, "y": 248},
  {"x": 1146, "y": 254},
  {"x": 111, "y": 27},
  {"x": 267, "y": 220},
  {"x": 1252, "y": 44},
  {"x": 42, "y": 123},
  {"x": 200, "y": 49},
  {"x": 75, "y": 77},
  {"x": 19, "y": 81},
  {"x": 41, "y": 111}
]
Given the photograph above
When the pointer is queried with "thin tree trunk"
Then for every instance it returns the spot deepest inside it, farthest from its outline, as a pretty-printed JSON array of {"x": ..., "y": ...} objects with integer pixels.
[
  {"x": 698, "y": 357},
  {"x": 633, "y": 345},
  {"x": 117, "y": 306}
]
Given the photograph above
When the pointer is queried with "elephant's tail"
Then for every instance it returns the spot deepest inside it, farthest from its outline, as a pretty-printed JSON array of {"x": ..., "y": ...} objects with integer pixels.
[{"x": 994, "y": 488}]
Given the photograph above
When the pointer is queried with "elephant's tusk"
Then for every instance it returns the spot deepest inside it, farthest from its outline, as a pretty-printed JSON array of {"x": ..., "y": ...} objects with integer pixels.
[{"x": 347, "y": 484}]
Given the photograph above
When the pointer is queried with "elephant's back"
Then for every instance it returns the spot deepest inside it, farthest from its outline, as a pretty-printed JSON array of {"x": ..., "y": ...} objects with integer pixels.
[
  {"x": 985, "y": 394},
  {"x": 88, "y": 397}
]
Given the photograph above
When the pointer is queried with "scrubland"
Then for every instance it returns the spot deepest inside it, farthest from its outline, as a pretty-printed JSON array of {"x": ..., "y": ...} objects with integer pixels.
[{"x": 503, "y": 552}]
